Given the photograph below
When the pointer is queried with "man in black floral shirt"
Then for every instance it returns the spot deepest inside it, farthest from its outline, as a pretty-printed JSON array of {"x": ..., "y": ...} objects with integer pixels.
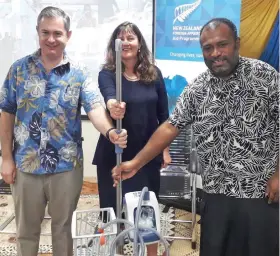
[{"x": 234, "y": 111}]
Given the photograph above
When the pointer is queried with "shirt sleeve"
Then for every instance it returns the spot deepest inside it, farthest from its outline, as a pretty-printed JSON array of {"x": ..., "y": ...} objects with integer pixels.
[
  {"x": 162, "y": 105},
  {"x": 90, "y": 94},
  {"x": 273, "y": 102},
  {"x": 183, "y": 112},
  {"x": 8, "y": 102},
  {"x": 107, "y": 85}
]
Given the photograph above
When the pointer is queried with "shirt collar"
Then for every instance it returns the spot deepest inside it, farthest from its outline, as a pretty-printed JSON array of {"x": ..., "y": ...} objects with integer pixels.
[{"x": 36, "y": 58}]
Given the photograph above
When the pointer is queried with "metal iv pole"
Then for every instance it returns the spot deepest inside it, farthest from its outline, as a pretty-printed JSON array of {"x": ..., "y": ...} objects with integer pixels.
[{"x": 118, "y": 150}]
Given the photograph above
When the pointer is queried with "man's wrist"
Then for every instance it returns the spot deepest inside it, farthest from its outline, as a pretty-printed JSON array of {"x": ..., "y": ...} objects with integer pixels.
[
  {"x": 108, "y": 132},
  {"x": 7, "y": 158},
  {"x": 7, "y": 154},
  {"x": 137, "y": 163}
]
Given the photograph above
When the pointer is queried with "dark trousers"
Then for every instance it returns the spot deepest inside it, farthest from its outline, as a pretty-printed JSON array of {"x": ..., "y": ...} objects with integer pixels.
[{"x": 239, "y": 227}]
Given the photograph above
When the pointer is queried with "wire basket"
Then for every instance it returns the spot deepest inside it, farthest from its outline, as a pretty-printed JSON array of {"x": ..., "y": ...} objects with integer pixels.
[{"x": 87, "y": 239}]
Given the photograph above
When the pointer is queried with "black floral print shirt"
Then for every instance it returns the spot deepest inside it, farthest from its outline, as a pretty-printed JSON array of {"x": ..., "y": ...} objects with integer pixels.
[{"x": 236, "y": 127}]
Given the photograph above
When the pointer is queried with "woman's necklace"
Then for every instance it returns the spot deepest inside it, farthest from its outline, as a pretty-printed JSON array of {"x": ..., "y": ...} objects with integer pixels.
[{"x": 134, "y": 78}]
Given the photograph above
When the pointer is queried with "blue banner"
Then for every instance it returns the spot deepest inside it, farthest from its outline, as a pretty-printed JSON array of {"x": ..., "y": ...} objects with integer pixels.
[{"x": 178, "y": 24}]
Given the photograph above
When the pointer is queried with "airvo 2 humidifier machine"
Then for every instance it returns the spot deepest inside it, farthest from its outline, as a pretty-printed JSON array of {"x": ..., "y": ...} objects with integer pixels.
[
  {"x": 142, "y": 222},
  {"x": 149, "y": 216}
]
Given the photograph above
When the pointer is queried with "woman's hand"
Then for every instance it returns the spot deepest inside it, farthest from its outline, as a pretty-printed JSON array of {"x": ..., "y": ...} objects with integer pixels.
[
  {"x": 166, "y": 158},
  {"x": 116, "y": 109}
]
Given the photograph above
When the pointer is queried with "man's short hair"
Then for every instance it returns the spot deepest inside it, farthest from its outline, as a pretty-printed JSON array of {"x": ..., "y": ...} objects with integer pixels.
[
  {"x": 54, "y": 12},
  {"x": 213, "y": 23}
]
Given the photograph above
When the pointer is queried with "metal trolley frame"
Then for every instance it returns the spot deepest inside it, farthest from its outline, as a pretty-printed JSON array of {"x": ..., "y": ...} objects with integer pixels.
[{"x": 179, "y": 179}]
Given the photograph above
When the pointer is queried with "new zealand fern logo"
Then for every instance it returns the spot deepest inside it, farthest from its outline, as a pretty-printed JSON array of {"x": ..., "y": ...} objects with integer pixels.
[{"x": 182, "y": 12}]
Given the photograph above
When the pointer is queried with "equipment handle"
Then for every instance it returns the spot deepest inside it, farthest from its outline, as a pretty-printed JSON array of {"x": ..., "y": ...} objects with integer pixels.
[{"x": 118, "y": 149}]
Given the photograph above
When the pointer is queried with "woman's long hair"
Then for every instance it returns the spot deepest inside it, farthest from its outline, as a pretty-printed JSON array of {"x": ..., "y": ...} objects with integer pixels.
[{"x": 144, "y": 65}]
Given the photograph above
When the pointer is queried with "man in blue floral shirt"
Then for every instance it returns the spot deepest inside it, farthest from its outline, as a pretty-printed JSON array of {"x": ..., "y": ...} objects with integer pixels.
[{"x": 42, "y": 154}]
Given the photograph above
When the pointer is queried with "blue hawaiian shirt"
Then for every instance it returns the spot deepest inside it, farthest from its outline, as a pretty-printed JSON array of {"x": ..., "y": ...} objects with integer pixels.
[{"x": 47, "y": 109}]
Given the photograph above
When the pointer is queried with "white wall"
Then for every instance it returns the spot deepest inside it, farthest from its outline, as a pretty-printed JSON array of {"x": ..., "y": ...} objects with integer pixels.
[{"x": 91, "y": 136}]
